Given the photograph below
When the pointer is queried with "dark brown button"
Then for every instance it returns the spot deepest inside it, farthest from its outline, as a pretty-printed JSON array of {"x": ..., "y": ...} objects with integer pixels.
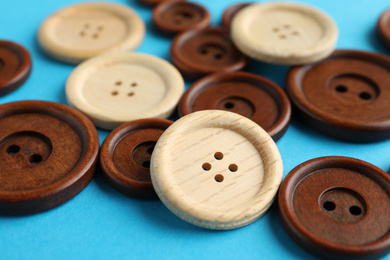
[
  {"x": 230, "y": 12},
  {"x": 48, "y": 153},
  {"x": 175, "y": 17},
  {"x": 15, "y": 66},
  {"x": 337, "y": 206},
  {"x": 197, "y": 53},
  {"x": 155, "y": 2},
  {"x": 244, "y": 93},
  {"x": 125, "y": 156},
  {"x": 383, "y": 28},
  {"x": 346, "y": 95}
]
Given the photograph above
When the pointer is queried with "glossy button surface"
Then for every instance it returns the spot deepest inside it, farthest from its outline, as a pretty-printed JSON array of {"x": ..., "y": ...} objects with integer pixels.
[
  {"x": 244, "y": 93},
  {"x": 125, "y": 156},
  {"x": 197, "y": 53},
  {"x": 81, "y": 31},
  {"x": 231, "y": 12},
  {"x": 345, "y": 95},
  {"x": 216, "y": 169},
  {"x": 337, "y": 206},
  {"x": 285, "y": 33},
  {"x": 48, "y": 153},
  {"x": 383, "y": 28},
  {"x": 180, "y": 16},
  {"x": 15, "y": 66},
  {"x": 119, "y": 87}
]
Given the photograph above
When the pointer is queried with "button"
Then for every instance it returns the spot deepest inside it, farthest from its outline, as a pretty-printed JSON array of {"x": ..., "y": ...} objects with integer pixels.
[
  {"x": 48, "y": 153},
  {"x": 15, "y": 66},
  {"x": 176, "y": 16},
  {"x": 344, "y": 96},
  {"x": 216, "y": 169},
  {"x": 197, "y": 53},
  {"x": 79, "y": 32},
  {"x": 337, "y": 206},
  {"x": 155, "y": 2},
  {"x": 243, "y": 93},
  {"x": 231, "y": 12},
  {"x": 383, "y": 27},
  {"x": 284, "y": 33},
  {"x": 125, "y": 156},
  {"x": 119, "y": 87}
]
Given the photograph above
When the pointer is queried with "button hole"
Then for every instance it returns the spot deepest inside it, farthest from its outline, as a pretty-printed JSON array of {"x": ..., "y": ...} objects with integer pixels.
[
  {"x": 206, "y": 166},
  {"x": 130, "y": 94},
  {"x": 114, "y": 93},
  {"x": 35, "y": 158},
  {"x": 146, "y": 164},
  {"x": 118, "y": 83},
  {"x": 219, "y": 178},
  {"x": 282, "y": 36},
  {"x": 233, "y": 167},
  {"x": 329, "y": 205},
  {"x": 229, "y": 105},
  {"x": 341, "y": 89},
  {"x": 218, "y": 155},
  {"x": 355, "y": 210},
  {"x": 134, "y": 84},
  {"x": 365, "y": 95},
  {"x": 150, "y": 150},
  {"x": 13, "y": 149},
  {"x": 218, "y": 56},
  {"x": 95, "y": 36}
]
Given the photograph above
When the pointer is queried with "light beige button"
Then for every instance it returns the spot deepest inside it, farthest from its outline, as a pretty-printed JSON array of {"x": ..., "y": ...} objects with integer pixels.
[
  {"x": 82, "y": 31},
  {"x": 285, "y": 33},
  {"x": 119, "y": 87},
  {"x": 216, "y": 169}
]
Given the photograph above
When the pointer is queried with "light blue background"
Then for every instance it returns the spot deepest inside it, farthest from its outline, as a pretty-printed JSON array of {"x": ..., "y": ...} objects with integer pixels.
[{"x": 101, "y": 223}]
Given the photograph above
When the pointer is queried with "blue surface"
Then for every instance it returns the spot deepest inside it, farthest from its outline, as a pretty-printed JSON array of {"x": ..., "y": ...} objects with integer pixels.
[{"x": 102, "y": 223}]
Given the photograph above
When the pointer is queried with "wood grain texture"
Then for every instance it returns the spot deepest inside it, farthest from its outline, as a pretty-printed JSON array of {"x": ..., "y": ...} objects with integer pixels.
[
  {"x": 119, "y": 87},
  {"x": 81, "y": 31},
  {"x": 48, "y": 153},
  {"x": 284, "y": 33},
  {"x": 216, "y": 169},
  {"x": 337, "y": 207}
]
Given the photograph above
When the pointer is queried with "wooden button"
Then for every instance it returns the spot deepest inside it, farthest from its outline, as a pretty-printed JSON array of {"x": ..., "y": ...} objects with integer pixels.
[
  {"x": 197, "y": 53},
  {"x": 15, "y": 66},
  {"x": 125, "y": 156},
  {"x": 177, "y": 16},
  {"x": 216, "y": 169},
  {"x": 119, "y": 87},
  {"x": 285, "y": 33},
  {"x": 231, "y": 12},
  {"x": 383, "y": 28},
  {"x": 345, "y": 96},
  {"x": 244, "y": 93},
  {"x": 82, "y": 31},
  {"x": 337, "y": 206},
  {"x": 48, "y": 153},
  {"x": 155, "y": 2}
]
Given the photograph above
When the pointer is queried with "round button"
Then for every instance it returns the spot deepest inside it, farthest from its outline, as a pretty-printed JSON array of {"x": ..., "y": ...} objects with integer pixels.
[
  {"x": 244, "y": 93},
  {"x": 15, "y": 66},
  {"x": 216, "y": 169},
  {"x": 48, "y": 153},
  {"x": 383, "y": 27},
  {"x": 284, "y": 33},
  {"x": 337, "y": 206},
  {"x": 155, "y": 2},
  {"x": 197, "y": 53},
  {"x": 82, "y": 31},
  {"x": 345, "y": 96},
  {"x": 231, "y": 12},
  {"x": 125, "y": 156},
  {"x": 177, "y": 16},
  {"x": 115, "y": 88}
]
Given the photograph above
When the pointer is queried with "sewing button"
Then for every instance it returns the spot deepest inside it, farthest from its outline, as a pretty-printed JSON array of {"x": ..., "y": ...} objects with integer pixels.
[
  {"x": 231, "y": 12},
  {"x": 344, "y": 96},
  {"x": 15, "y": 66},
  {"x": 81, "y": 31},
  {"x": 197, "y": 53},
  {"x": 155, "y": 2},
  {"x": 48, "y": 153},
  {"x": 383, "y": 28},
  {"x": 125, "y": 156},
  {"x": 337, "y": 206},
  {"x": 176, "y": 16},
  {"x": 216, "y": 169},
  {"x": 244, "y": 93},
  {"x": 285, "y": 33},
  {"x": 119, "y": 87}
]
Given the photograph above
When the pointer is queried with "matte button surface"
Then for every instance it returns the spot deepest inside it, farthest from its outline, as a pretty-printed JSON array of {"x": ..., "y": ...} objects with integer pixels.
[
  {"x": 15, "y": 66},
  {"x": 156, "y": 2},
  {"x": 383, "y": 27},
  {"x": 125, "y": 156},
  {"x": 244, "y": 93},
  {"x": 216, "y": 169},
  {"x": 120, "y": 87},
  {"x": 81, "y": 31},
  {"x": 48, "y": 153},
  {"x": 231, "y": 12},
  {"x": 337, "y": 206},
  {"x": 197, "y": 53},
  {"x": 285, "y": 33},
  {"x": 177, "y": 16},
  {"x": 346, "y": 95}
]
